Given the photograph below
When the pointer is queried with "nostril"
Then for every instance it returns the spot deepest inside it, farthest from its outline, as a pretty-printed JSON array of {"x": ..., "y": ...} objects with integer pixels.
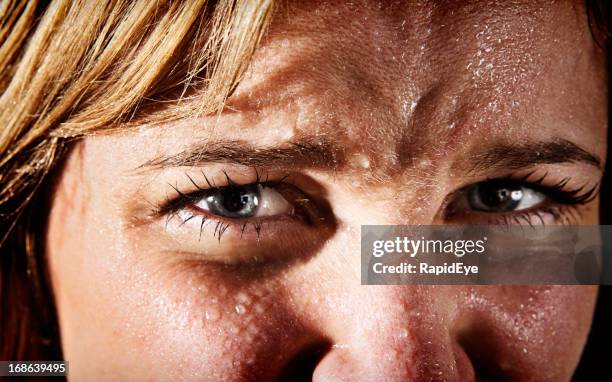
[
  {"x": 482, "y": 355},
  {"x": 301, "y": 367}
]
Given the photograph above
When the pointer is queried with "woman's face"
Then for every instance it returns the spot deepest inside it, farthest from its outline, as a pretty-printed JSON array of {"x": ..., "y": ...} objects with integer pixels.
[{"x": 164, "y": 265}]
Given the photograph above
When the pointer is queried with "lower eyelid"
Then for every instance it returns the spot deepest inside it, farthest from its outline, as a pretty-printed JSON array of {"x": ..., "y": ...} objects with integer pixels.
[
  {"x": 552, "y": 215},
  {"x": 246, "y": 242},
  {"x": 548, "y": 214}
]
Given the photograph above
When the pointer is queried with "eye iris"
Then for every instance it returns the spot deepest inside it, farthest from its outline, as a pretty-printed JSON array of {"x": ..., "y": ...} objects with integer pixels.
[
  {"x": 237, "y": 202},
  {"x": 495, "y": 196}
]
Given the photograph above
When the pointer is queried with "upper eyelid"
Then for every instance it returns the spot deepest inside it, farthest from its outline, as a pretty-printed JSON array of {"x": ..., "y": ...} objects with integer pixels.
[
  {"x": 210, "y": 185},
  {"x": 210, "y": 182},
  {"x": 536, "y": 177},
  {"x": 540, "y": 185}
]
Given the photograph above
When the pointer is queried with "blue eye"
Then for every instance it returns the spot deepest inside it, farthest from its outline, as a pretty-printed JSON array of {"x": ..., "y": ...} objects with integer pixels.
[
  {"x": 502, "y": 196},
  {"x": 243, "y": 202},
  {"x": 517, "y": 201},
  {"x": 233, "y": 201}
]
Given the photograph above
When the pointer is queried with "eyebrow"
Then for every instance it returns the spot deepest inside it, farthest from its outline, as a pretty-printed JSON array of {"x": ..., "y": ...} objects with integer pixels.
[
  {"x": 518, "y": 156},
  {"x": 313, "y": 153},
  {"x": 325, "y": 154}
]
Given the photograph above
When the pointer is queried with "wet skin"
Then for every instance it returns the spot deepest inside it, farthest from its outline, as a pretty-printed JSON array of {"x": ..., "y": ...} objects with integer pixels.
[{"x": 389, "y": 107}]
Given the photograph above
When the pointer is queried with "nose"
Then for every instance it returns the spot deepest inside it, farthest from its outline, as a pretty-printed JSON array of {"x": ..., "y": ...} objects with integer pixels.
[
  {"x": 392, "y": 333},
  {"x": 378, "y": 332}
]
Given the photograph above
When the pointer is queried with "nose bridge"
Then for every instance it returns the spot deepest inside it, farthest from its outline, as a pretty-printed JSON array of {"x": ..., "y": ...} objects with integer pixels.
[{"x": 396, "y": 197}]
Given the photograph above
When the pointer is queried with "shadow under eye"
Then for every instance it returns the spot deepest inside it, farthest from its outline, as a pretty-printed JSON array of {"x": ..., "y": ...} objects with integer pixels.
[{"x": 248, "y": 261}]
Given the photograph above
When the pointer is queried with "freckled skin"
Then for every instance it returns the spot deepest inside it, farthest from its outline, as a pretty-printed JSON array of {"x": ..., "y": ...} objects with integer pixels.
[{"x": 407, "y": 91}]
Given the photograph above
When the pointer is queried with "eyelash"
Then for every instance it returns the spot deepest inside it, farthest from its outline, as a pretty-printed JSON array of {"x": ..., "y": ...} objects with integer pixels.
[
  {"x": 559, "y": 191},
  {"x": 173, "y": 206},
  {"x": 567, "y": 200}
]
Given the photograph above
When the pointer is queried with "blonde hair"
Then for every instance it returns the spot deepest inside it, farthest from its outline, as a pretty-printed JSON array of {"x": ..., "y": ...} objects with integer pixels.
[{"x": 74, "y": 68}]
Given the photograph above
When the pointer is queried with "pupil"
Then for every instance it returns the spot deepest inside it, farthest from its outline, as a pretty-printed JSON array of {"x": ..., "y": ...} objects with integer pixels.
[
  {"x": 234, "y": 200},
  {"x": 500, "y": 196}
]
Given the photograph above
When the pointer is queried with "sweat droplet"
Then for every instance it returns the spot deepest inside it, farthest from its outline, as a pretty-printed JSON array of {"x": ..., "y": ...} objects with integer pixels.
[
  {"x": 403, "y": 333},
  {"x": 240, "y": 309}
]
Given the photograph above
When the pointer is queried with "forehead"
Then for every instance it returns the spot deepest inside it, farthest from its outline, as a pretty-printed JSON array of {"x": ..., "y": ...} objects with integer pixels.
[
  {"x": 412, "y": 72},
  {"x": 409, "y": 82}
]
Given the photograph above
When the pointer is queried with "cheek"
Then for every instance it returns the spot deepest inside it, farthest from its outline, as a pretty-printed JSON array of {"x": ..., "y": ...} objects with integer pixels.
[
  {"x": 203, "y": 321},
  {"x": 211, "y": 324},
  {"x": 514, "y": 328}
]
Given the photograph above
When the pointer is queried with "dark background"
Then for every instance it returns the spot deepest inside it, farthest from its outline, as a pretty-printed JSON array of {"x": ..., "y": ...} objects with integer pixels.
[{"x": 596, "y": 361}]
